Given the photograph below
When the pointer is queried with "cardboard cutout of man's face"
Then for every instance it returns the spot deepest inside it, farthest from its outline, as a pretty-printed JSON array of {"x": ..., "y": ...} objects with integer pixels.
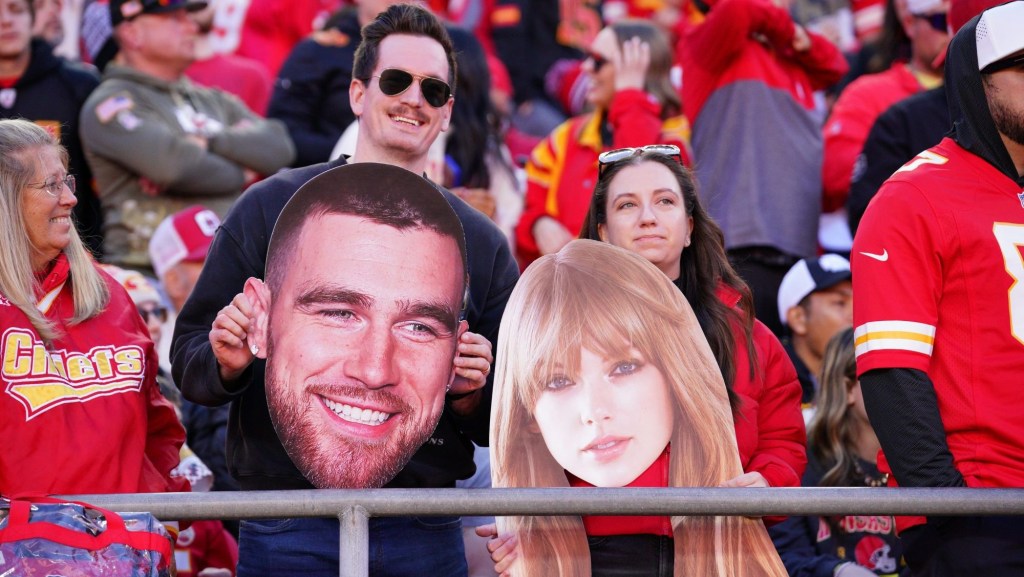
[{"x": 360, "y": 335}]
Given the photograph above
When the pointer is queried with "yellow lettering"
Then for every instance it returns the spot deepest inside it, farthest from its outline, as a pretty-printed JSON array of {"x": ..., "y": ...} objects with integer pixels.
[
  {"x": 128, "y": 362},
  {"x": 103, "y": 366},
  {"x": 16, "y": 362},
  {"x": 55, "y": 363},
  {"x": 79, "y": 368}
]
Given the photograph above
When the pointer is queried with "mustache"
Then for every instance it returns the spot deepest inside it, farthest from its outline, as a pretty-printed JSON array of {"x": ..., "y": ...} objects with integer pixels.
[{"x": 403, "y": 110}]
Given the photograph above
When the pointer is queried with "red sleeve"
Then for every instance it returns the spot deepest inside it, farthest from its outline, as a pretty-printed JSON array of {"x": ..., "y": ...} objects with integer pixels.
[
  {"x": 635, "y": 117},
  {"x": 896, "y": 305},
  {"x": 728, "y": 27},
  {"x": 782, "y": 440},
  {"x": 164, "y": 435},
  {"x": 542, "y": 174},
  {"x": 221, "y": 549},
  {"x": 824, "y": 64},
  {"x": 844, "y": 135}
]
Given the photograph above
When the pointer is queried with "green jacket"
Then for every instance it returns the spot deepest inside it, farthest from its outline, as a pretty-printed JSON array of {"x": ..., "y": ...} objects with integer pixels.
[{"x": 143, "y": 139}]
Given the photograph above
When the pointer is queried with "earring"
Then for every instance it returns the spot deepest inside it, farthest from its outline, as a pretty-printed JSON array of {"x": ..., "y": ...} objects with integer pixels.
[{"x": 253, "y": 348}]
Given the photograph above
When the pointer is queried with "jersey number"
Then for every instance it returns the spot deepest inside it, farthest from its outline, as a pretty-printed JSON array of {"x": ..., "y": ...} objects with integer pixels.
[
  {"x": 926, "y": 157},
  {"x": 1011, "y": 238}
]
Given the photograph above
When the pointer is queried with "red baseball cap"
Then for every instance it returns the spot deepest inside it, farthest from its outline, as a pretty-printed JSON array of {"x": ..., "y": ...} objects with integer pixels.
[{"x": 184, "y": 236}]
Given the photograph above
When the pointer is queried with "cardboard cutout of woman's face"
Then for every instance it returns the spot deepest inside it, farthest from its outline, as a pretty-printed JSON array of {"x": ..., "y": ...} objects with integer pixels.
[
  {"x": 601, "y": 366},
  {"x": 607, "y": 420}
]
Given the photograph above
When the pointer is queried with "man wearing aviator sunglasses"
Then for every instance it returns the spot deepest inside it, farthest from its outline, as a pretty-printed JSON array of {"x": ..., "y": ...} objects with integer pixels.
[
  {"x": 938, "y": 306},
  {"x": 400, "y": 115}
]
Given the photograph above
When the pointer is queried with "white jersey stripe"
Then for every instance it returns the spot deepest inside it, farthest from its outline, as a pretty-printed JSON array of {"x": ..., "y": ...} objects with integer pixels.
[
  {"x": 872, "y": 345},
  {"x": 895, "y": 326}
]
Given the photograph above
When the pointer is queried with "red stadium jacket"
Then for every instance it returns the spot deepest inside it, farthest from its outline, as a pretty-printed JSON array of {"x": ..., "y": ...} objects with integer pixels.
[{"x": 83, "y": 415}]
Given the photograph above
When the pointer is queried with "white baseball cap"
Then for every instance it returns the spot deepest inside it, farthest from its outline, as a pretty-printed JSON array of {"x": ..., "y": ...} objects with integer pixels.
[
  {"x": 810, "y": 275},
  {"x": 1000, "y": 33}
]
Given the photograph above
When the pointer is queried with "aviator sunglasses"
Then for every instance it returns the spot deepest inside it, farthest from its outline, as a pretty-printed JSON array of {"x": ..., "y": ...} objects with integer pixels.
[
  {"x": 394, "y": 81},
  {"x": 613, "y": 156}
]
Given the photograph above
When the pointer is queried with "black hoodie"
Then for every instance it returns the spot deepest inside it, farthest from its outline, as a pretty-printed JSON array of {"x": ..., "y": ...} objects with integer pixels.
[{"x": 973, "y": 127}]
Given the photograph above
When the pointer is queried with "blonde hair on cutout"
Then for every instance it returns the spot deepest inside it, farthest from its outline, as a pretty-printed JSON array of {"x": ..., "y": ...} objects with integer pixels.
[
  {"x": 21, "y": 142},
  {"x": 595, "y": 295}
]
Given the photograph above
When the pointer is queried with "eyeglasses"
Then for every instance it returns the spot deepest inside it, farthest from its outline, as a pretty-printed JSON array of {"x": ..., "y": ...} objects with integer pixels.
[
  {"x": 1003, "y": 64},
  {"x": 54, "y": 187},
  {"x": 159, "y": 313},
  {"x": 936, "y": 21},
  {"x": 598, "y": 60},
  {"x": 394, "y": 81},
  {"x": 613, "y": 156}
]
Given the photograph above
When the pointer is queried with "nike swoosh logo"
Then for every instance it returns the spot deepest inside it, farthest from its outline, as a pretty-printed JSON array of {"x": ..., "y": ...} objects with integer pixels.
[{"x": 879, "y": 257}]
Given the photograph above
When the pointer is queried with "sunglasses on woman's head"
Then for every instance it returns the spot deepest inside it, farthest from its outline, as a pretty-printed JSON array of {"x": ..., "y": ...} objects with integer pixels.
[
  {"x": 394, "y": 81},
  {"x": 613, "y": 156}
]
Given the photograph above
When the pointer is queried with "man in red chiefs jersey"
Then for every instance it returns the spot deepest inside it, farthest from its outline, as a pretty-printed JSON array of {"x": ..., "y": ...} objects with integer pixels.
[{"x": 939, "y": 305}]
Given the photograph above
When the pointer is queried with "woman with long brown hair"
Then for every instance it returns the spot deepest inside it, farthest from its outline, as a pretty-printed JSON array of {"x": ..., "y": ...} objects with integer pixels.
[
  {"x": 842, "y": 452},
  {"x": 647, "y": 202}
]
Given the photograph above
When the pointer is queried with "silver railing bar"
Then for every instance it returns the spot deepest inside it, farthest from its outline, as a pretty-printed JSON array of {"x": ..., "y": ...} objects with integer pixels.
[{"x": 354, "y": 507}]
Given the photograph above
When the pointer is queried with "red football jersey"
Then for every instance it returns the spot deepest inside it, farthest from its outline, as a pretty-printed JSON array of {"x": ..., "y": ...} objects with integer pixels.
[{"x": 938, "y": 274}]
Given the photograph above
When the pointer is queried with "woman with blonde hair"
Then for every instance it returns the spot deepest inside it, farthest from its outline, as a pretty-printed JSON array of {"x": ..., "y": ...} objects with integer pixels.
[
  {"x": 82, "y": 412},
  {"x": 604, "y": 378}
]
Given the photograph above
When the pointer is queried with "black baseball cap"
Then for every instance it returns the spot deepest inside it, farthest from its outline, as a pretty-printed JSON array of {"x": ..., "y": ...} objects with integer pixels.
[{"x": 122, "y": 10}]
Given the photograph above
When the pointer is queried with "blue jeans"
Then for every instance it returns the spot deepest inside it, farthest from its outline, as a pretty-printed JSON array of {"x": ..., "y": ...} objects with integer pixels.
[{"x": 399, "y": 547}]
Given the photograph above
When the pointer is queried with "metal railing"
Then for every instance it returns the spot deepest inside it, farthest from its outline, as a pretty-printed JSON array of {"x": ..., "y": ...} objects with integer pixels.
[{"x": 355, "y": 507}]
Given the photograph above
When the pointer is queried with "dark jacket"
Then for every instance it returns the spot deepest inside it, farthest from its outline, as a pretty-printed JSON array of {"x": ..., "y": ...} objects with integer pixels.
[
  {"x": 908, "y": 127},
  {"x": 814, "y": 546},
  {"x": 311, "y": 91},
  {"x": 255, "y": 455},
  {"x": 530, "y": 43},
  {"x": 51, "y": 93},
  {"x": 808, "y": 382}
]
